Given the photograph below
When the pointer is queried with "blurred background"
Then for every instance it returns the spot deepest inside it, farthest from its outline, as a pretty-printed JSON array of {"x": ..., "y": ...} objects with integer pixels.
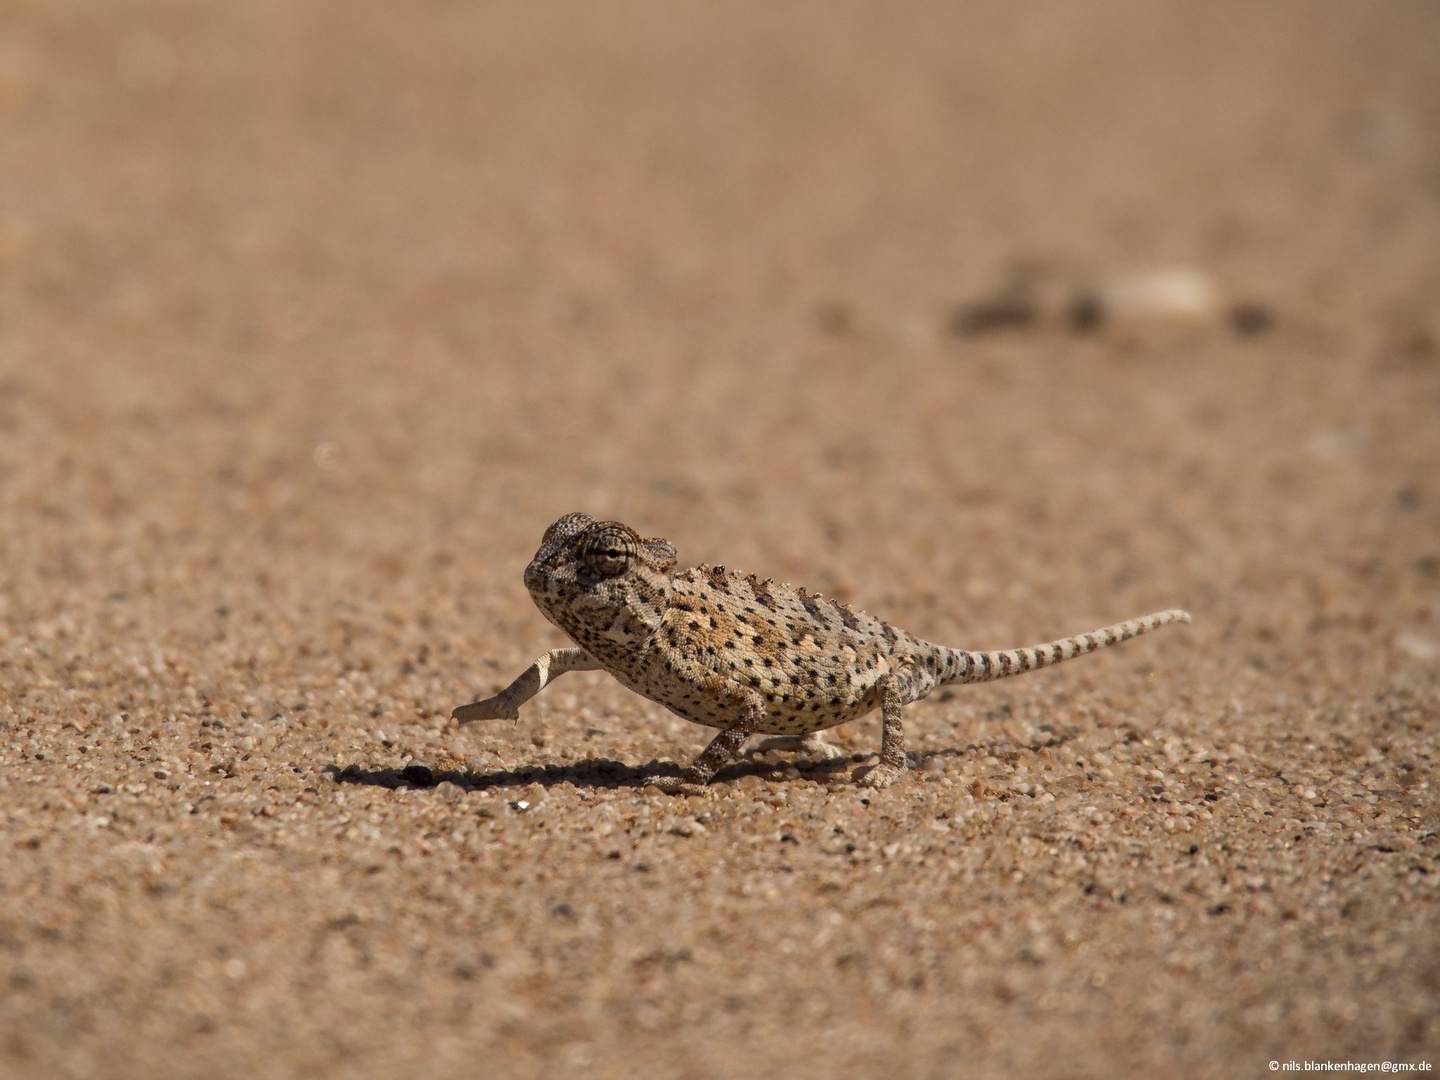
[
  {"x": 1000, "y": 321},
  {"x": 403, "y": 283}
]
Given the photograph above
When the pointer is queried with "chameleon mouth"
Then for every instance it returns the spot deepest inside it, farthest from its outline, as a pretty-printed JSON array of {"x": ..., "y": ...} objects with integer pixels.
[{"x": 539, "y": 581}]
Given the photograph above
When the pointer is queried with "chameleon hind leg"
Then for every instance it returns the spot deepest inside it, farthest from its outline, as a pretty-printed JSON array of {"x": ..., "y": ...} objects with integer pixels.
[{"x": 892, "y": 738}]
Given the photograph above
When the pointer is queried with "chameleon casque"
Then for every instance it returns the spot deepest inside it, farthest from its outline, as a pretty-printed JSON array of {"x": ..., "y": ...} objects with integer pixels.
[{"x": 740, "y": 654}]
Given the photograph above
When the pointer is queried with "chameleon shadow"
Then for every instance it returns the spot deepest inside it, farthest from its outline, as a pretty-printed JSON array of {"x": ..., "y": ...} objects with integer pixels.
[{"x": 592, "y": 773}]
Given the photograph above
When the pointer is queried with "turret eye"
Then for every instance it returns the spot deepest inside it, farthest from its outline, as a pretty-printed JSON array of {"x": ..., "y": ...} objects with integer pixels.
[{"x": 609, "y": 550}]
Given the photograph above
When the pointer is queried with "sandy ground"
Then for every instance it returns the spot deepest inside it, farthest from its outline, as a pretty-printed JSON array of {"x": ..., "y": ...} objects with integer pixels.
[{"x": 314, "y": 315}]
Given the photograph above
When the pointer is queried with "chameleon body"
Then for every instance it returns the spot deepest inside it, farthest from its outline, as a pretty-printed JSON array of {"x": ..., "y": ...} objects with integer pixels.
[{"x": 740, "y": 654}]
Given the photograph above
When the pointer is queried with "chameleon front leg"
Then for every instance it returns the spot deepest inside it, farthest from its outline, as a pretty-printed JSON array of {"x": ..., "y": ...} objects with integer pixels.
[
  {"x": 721, "y": 752},
  {"x": 725, "y": 747},
  {"x": 892, "y": 737},
  {"x": 506, "y": 704}
]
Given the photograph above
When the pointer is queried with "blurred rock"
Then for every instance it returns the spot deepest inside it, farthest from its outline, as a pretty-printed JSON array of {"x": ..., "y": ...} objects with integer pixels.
[
  {"x": 1011, "y": 309},
  {"x": 1249, "y": 318},
  {"x": 1177, "y": 295}
]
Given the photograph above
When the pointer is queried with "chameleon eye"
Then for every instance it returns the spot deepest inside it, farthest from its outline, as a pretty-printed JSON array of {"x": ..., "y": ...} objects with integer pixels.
[{"x": 609, "y": 550}]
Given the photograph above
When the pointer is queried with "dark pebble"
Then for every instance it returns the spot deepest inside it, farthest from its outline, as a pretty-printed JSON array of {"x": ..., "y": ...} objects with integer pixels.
[
  {"x": 1248, "y": 319},
  {"x": 992, "y": 316},
  {"x": 1086, "y": 313},
  {"x": 834, "y": 319}
]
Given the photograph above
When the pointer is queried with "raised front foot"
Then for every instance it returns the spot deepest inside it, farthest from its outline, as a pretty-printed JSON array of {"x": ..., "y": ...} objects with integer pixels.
[
  {"x": 882, "y": 775},
  {"x": 492, "y": 708}
]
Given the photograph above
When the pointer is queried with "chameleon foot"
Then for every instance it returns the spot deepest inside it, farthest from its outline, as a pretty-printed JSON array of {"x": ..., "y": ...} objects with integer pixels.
[
  {"x": 676, "y": 785},
  {"x": 812, "y": 745},
  {"x": 493, "y": 708},
  {"x": 882, "y": 775}
]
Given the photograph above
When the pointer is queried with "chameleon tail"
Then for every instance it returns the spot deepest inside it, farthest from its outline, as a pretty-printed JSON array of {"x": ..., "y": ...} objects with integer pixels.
[{"x": 963, "y": 666}]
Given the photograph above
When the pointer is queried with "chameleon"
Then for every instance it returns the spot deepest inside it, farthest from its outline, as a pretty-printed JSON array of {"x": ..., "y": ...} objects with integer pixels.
[{"x": 743, "y": 655}]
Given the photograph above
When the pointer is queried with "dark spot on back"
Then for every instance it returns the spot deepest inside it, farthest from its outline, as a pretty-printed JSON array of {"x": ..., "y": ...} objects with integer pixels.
[
  {"x": 815, "y": 606},
  {"x": 762, "y": 592}
]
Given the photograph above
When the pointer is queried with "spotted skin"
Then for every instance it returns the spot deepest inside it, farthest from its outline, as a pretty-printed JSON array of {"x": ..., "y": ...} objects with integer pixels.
[{"x": 740, "y": 654}]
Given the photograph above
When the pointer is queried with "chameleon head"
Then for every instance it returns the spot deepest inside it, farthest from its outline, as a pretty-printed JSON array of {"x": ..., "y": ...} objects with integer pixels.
[{"x": 600, "y": 581}]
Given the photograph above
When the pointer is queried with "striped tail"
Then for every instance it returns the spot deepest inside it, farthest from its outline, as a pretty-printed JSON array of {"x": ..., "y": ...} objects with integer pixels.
[{"x": 962, "y": 666}]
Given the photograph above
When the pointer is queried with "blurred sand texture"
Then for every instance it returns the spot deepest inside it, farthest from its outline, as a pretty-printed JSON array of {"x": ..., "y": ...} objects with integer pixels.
[{"x": 1001, "y": 321}]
